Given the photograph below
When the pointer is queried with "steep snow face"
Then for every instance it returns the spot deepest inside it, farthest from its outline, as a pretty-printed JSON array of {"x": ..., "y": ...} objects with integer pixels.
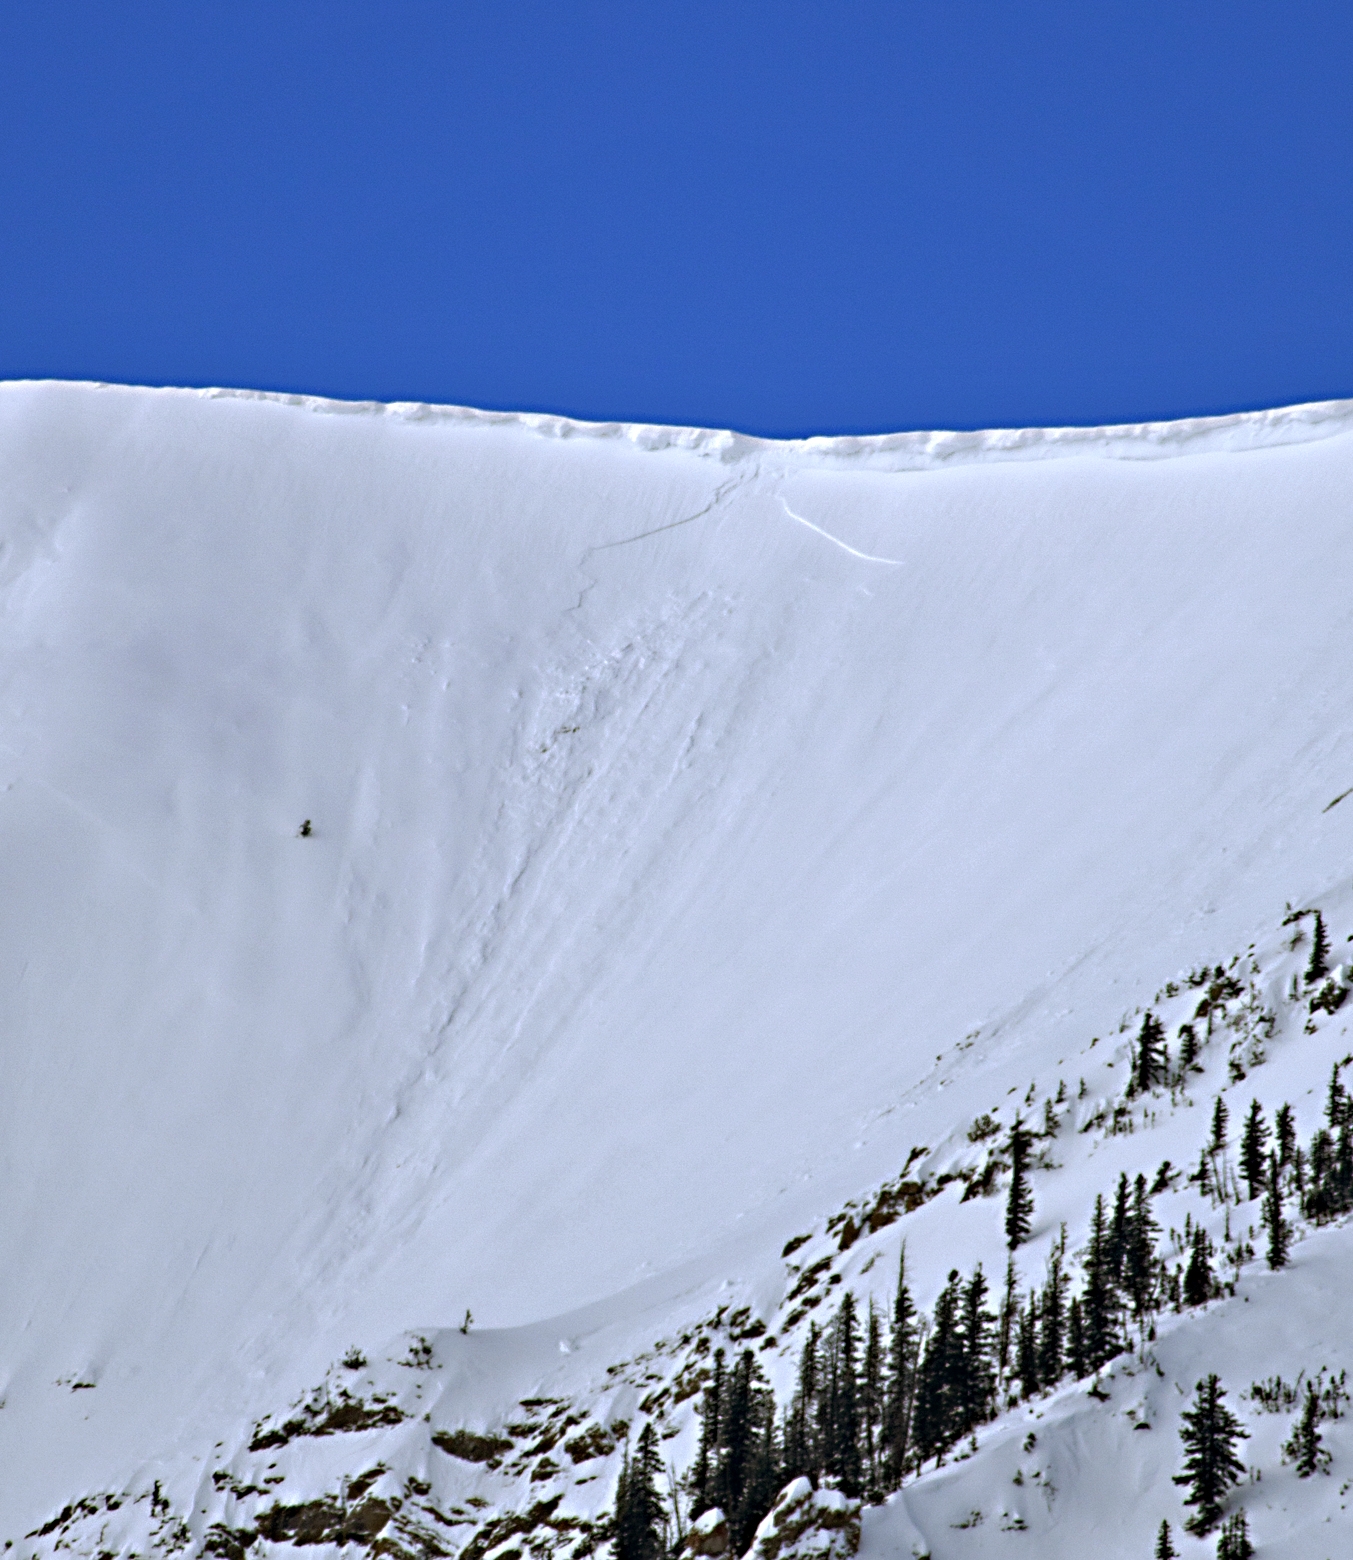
[{"x": 680, "y": 807}]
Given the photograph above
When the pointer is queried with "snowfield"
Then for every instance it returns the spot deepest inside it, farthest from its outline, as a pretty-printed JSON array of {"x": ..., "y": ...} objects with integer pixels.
[{"x": 459, "y": 862}]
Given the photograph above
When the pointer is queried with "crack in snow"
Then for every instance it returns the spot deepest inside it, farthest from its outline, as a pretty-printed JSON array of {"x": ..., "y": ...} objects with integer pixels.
[{"x": 844, "y": 546}]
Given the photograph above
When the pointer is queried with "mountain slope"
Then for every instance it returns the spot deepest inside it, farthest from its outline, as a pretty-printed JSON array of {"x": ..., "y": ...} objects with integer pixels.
[{"x": 679, "y": 804}]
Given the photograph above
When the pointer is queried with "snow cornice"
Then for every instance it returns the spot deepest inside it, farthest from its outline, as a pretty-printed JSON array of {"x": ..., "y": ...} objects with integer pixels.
[{"x": 1235, "y": 432}]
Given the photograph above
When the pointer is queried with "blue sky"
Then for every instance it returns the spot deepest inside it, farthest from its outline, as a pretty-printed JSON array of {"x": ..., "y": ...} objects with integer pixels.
[{"x": 786, "y": 218}]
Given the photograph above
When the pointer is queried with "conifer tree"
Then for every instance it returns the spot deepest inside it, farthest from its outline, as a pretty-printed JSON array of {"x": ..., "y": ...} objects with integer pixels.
[
  {"x": 748, "y": 1471},
  {"x": 1285, "y": 1131},
  {"x": 1100, "y": 1300},
  {"x": 1318, "y": 967},
  {"x": 1075, "y": 1339},
  {"x": 1304, "y": 1448},
  {"x": 1009, "y": 1317},
  {"x": 1118, "y": 1231},
  {"x": 1254, "y": 1149},
  {"x": 1020, "y": 1206},
  {"x": 738, "y": 1432},
  {"x": 1234, "y": 1543},
  {"x": 1336, "y": 1102},
  {"x": 842, "y": 1449},
  {"x": 638, "y": 1505},
  {"x": 1209, "y": 1432},
  {"x": 762, "y": 1468},
  {"x": 1151, "y": 1057},
  {"x": 1188, "y": 1050},
  {"x": 1279, "y": 1231},
  {"x": 1314, "y": 1204},
  {"x": 871, "y": 1406},
  {"x": 801, "y": 1458},
  {"x": 1139, "y": 1259},
  {"x": 1198, "y": 1281},
  {"x": 705, "y": 1473},
  {"x": 1165, "y": 1549},
  {"x": 974, "y": 1388},
  {"x": 1026, "y": 1348},
  {"x": 1053, "y": 1317},
  {"x": 1343, "y": 1194},
  {"x": 1220, "y": 1117},
  {"x": 938, "y": 1376},
  {"x": 901, "y": 1388}
]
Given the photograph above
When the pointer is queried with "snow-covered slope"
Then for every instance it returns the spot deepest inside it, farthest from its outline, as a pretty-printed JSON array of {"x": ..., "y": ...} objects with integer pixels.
[{"x": 698, "y": 824}]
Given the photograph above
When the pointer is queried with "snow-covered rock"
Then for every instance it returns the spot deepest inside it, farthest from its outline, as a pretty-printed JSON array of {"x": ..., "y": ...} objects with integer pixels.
[
  {"x": 708, "y": 1534},
  {"x": 808, "y": 1524}
]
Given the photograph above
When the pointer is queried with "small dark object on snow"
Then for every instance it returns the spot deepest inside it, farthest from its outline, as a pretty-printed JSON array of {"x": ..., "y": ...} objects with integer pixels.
[{"x": 305, "y": 830}]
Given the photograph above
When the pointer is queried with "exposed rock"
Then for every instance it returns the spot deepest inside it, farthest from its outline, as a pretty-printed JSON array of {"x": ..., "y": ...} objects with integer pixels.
[{"x": 469, "y": 1446}]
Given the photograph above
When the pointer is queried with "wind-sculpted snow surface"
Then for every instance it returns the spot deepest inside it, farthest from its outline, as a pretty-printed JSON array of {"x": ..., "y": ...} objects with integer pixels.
[{"x": 697, "y": 826}]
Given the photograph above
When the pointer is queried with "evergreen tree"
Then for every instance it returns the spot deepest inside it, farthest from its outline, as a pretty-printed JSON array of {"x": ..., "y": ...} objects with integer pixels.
[
  {"x": 1319, "y": 1202},
  {"x": 1198, "y": 1281},
  {"x": 1053, "y": 1317},
  {"x": 901, "y": 1389},
  {"x": 1118, "y": 1231},
  {"x": 1254, "y": 1149},
  {"x": 748, "y": 1473},
  {"x": 975, "y": 1386},
  {"x": 1279, "y": 1231},
  {"x": 1304, "y": 1448},
  {"x": 842, "y": 1442},
  {"x": 1234, "y": 1543},
  {"x": 1151, "y": 1056},
  {"x": 1285, "y": 1130},
  {"x": 705, "y": 1473},
  {"x": 738, "y": 1434},
  {"x": 1165, "y": 1549},
  {"x": 871, "y": 1406},
  {"x": 1343, "y": 1180},
  {"x": 1336, "y": 1102},
  {"x": 801, "y": 1459},
  {"x": 761, "y": 1469},
  {"x": 1318, "y": 967},
  {"x": 638, "y": 1505},
  {"x": 1100, "y": 1300},
  {"x": 1026, "y": 1349},
  {"x": 1139, "y": 1259},
  {"x": 1188, "y": 1050},
  {"x": 1020, "y": 1206},
  {"x": 1075, "y": 1339},
  {"x": 1220, "y": 1117},
  {"x": 1009, "y": 1317},
  {"x": 938, "y": 1377},
  {"x": 1209, "y": 1433}
]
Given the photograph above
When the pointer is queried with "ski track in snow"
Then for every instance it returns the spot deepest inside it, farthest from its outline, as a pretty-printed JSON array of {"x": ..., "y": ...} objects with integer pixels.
[{"x": 836, "y": 540}]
